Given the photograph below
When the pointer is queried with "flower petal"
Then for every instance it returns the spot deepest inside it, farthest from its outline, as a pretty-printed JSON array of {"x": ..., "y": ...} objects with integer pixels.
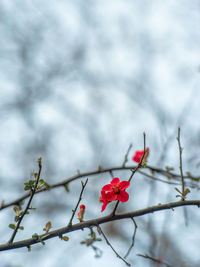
[
  {"x": 123, "y": 196},
  {"x": 103, "y": 196},
  {"x": 82, "y": 207},
  {"x": 107, "y": 187},
  {"x": 115, "y": 181},
  {"x": 138, "y": 155},
  {"x": 124, "y": 184},
  {"x": 105, "y": 203},
  {"x": 136, "y": 159},
  {"x": 110, "y": 196}
]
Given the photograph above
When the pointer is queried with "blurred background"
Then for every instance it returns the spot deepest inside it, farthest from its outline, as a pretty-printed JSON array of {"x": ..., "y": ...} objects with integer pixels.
[{"x": 79, "y": 82}]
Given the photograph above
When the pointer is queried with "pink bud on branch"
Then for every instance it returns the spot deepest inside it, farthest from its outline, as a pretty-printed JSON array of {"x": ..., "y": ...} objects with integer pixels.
[{"x": 81, "y": 213}]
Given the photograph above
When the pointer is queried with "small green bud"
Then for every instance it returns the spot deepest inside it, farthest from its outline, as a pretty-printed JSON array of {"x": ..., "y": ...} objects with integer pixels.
[{"x": 12, "y": 226}]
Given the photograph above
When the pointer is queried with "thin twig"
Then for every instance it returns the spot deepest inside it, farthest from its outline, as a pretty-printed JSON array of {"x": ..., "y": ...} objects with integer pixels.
[
  {"x": 98, "y": 221},
  {"x": 181, "y": 166},
  {"x": 126, "y": 155},
  {"x": 185, "y": 216},
  {"x": 141, "y": 160},
  {"x": 172, "y": 175},
  {"x": 92, "y": 240},
  {"x": 182, "y": 176},
  {"x": 167, "y": 181},
  {"x": 109, "y": 244},
  {"x": 133, "y": 239},
  {"x": 32, "y": 193},
  {"x": 79, "y": 200},
  {"x": 157, "y": 179},
  {"x": 133, "y": 171},
  {"x": 154, "y": 259}
]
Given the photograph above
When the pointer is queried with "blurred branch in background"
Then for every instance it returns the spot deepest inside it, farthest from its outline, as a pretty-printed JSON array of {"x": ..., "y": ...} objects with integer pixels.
[{"x": 194, "y": 180}]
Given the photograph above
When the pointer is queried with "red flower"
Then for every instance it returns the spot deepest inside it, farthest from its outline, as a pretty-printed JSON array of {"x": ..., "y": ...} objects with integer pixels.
[
  {"x": 114, "y": 190},
  {"x": 138, "y": 155},
  {"x": 81, "y": 212}
]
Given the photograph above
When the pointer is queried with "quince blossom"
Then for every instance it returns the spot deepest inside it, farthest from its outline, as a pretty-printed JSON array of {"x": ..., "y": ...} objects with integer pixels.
[
  {"x": 138, "y": 155},
  {"x": 114, "y": 191}
]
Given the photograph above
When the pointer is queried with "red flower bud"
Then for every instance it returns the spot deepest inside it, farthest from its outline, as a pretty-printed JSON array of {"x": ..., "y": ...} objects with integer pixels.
[{"x": 81, "y": 213}]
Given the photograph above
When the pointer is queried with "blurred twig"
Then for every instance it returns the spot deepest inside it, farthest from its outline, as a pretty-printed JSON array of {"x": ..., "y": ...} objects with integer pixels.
[
  {"x": 157, "y": 179},
  {"x": 126, "y": 155},
  {"x": 133, "y": 239},
  {"x": 154, "y": 259},
  {"x": 109, "y": 244}
]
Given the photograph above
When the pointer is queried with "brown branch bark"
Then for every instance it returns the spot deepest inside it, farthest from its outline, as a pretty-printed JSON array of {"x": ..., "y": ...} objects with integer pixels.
[{"x": 96, "y": 222}]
